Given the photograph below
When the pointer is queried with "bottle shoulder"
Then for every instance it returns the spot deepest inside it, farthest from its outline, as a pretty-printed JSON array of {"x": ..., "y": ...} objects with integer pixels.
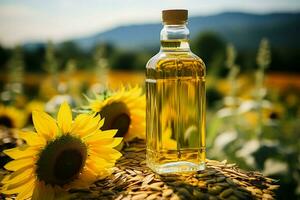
[
  {"x": 163, "y": 58},
  {"x": 175, "y": 65},
  {"x": 153, "y": 60}
]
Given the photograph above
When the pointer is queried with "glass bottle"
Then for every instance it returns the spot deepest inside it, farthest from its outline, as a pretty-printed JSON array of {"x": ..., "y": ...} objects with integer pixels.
[{"x": 175, "y": 92}]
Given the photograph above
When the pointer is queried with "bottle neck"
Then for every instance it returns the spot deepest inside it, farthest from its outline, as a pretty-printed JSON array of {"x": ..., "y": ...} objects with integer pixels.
[{"x": 175, "y": 38}]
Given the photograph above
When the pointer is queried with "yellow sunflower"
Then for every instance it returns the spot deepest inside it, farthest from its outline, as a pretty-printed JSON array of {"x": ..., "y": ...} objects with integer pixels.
[
  {"x": 11, "y": 117},
  {"x": 268, "y": 115},
  {"x": 60, "y": 155},
  {"x": 123, "y": 110}
]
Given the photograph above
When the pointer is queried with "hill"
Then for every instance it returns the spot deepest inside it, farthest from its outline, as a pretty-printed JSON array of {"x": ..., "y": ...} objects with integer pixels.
[{"x": 242, "y": 29}]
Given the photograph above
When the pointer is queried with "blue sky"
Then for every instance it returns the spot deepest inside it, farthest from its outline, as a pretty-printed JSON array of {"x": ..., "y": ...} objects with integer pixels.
[{"x": 34, "y": 20}]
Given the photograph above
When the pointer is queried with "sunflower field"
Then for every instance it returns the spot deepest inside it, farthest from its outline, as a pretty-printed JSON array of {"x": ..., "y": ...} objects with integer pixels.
[{"x": 55, "y": 117}]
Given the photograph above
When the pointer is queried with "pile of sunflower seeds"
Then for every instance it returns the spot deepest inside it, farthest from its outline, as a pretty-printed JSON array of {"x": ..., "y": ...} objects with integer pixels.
[{"x": 132, "y": 180}]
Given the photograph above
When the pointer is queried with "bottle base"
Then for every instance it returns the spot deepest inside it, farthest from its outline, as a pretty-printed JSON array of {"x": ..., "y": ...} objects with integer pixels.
[{"x": 177, "y": 167}]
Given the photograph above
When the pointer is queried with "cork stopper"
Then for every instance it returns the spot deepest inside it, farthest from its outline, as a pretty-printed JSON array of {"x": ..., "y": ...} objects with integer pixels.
[{"x": 174, "y": 16}]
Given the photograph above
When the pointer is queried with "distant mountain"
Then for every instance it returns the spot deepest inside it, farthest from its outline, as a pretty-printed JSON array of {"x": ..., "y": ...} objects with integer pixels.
[{"x": 242, "y": 29}]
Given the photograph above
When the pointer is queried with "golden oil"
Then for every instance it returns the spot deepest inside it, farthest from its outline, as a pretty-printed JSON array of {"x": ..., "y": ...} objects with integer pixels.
[{"x": 175, "y": 115}]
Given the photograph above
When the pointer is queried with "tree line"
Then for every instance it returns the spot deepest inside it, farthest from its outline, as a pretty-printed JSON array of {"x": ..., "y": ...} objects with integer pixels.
[{"x": 209, "y": 46}]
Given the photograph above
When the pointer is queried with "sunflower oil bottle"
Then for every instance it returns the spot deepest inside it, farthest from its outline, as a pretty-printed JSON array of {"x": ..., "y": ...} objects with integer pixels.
[{"x": 175, "y": 90}]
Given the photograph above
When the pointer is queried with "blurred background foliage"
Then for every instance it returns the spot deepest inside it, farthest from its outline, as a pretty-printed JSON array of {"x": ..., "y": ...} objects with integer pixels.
[
  {"x": 210, "y": 46},
  {"x": 253, "y": 96}
]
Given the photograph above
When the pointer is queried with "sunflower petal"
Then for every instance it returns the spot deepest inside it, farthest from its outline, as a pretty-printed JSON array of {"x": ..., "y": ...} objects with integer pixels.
[
  {"x": 85, "y": 124},
  {"x": 79, "y": 121},
  {"x": 36, "y": 191},
  {"x": 43, "y": 191},
  {"x": 64, "y": 117},
  {"x": 95, "y": 168},
  {"x": 21, "y": 152},
  {"x": 19, "y": 175},
  {"x": 27, "y": 192},
  {"x": 19, "y": 163},
  {"x": 109, "y": 133},
  {"x": 107, "y": 154},
  {"x": 101, "y": 135},
  {"x": 85, "y": 179},
  {"x": 106, "y": 142},
  {"x": 5, "y": 178},
  {"x": 32, "y": 138},
  {"x": 44, "y": 124},
  {"x": 116, "y": 142},
  {"x": 99, "y": 163},
  {"x": 101, "y": 122},
  {"x": 47, "y": 193},
  {"x": 62, "y": 194},
  {"x": 103, "y": 173},
  {"x": 17, "y": 187},
  {"x": 96, "y": 105}
]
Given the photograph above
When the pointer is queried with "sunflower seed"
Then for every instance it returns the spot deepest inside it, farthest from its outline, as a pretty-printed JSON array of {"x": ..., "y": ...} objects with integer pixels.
[
  {"x": 148, "y": 179},
  {"x": 212, "y": 198},
  {"x": 155, "y": 188},
  {"x": 119, "y": 197},
  {"x": 107, "y": 192},
  {"x": 265, "y": 191},
  {"x": 210, "y": 181},
  {"x": 223, "y": 184},
  {"x": 169, "y": 179},
  {"x": 229, "y": 181},
  {"x": 158, "y": 184},
  {"x": 232, "y": 198},
  {"x": 267, "y": 196},
  {"x": 198, "y": 194},
  {"x": 184, "y": 192},
  {"x": 131, "y": 179},
  {"x": 174, "y": 197},
  {"x": 132, "y": 184},
  {"x": 130, "y": 172},
  {"x": 167, "y": 192},
  {"x": 273, "y": 187},
  {"x": 139, "y": 196},
  {"x": 215, "y": 190},
  {"x": 220, "y": 179},
  {"x": 140, "y": 192},
  {"x": 230, "y": 165},
  {"x": 201, "y": 184},
  {"x": 138, "y": 172},
  {"x": 240, "y": 195},
  {"x": 206, "y": 174},
  {"x": 226, "y": 193},
  {"x": 152, "y": 196},
  {"x": 127, "y": 198},
  {"x": 136, "y": 178}
]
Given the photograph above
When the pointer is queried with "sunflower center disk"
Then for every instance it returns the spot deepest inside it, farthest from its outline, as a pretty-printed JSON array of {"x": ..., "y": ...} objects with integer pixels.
[
  {"x": 116, "y": 117},
  {"x": 6, "y": 121},
  {"x": 68, "y": 164},
  {"x": 62, "y": 160},
  {"x": 121, "y": 122}
]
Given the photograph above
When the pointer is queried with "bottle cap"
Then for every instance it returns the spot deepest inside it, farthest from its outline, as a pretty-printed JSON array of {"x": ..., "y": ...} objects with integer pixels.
[{"x": 174, "y": 16}]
